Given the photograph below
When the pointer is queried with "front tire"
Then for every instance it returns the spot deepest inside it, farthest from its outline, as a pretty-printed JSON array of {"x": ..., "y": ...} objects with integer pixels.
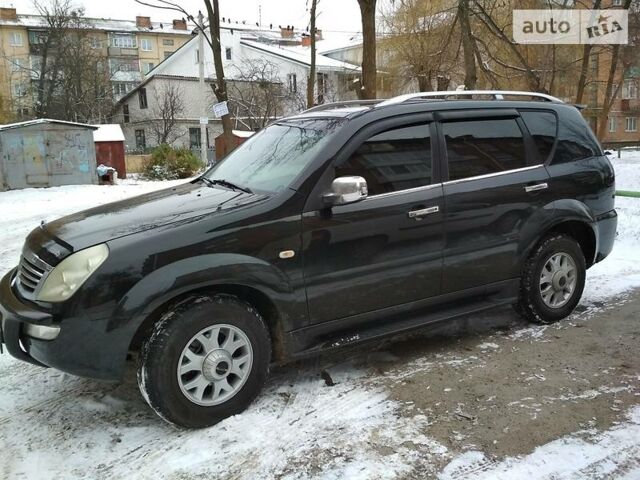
[
  {"x": 552, "y": 280},
  {"x": 206, "y": 359}
]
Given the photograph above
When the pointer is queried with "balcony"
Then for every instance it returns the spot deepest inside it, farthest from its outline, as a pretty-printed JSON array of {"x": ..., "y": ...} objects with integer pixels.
[{"x": 123, "y": 51}]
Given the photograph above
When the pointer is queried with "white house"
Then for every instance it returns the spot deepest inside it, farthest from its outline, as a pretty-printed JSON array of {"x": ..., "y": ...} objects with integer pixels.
[{"x": 250, "y": 55}]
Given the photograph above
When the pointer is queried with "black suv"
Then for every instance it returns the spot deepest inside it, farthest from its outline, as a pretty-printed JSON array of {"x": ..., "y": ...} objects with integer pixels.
[{"x": 335, "y": 226}]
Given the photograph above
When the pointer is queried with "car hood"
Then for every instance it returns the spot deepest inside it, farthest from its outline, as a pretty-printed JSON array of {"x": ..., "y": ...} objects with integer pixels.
[{"x": 144, "y": 212}]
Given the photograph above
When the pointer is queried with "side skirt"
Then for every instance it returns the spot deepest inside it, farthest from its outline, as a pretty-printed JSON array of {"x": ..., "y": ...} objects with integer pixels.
[{"x": 403, "y": 318}]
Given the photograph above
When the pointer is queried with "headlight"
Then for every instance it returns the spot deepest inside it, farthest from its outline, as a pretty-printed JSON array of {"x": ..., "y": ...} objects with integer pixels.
[{"x": 65, "y": 279}]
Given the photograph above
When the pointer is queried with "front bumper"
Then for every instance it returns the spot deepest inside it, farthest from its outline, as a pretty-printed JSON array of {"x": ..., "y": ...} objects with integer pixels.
[
  {"x": 13, "y": 316},
  {"x": 82, "y": 346}
]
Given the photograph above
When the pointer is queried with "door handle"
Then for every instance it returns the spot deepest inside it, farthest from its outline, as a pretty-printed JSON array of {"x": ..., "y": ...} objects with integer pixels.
[
  {"x": 535, "y": 188},
  {"x": 421, "y": 213}
]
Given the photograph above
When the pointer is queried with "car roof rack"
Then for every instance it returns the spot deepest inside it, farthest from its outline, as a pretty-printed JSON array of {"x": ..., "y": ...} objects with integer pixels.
[
  {"x": 496, "y": 94},
  {"x": 345, "y": 104}
]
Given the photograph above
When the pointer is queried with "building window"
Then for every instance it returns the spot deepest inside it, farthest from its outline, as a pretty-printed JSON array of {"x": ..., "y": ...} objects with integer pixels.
[
  {"x": 629, "y": 89},
  {"x": 125, "y": 113},
  {"x": 167, "y": 42},
  {"x": 197, "y": 56},
  {"x": 167, "y": 54},
  {"x": 631, "y": 124},
  {"x": 123, "y": 41},
  {"x": 227, "y": 53},
  {"x": 146, "y": 45},
  {"x": 141, "y": 141},
  {"x": 293, "y": 82},
  {"x": 142, "y": 96},
  {"x": 613, "y": 122},
  {"x": 17, "y": 65},
  {"x": 194, "y": 138},
  {"x": 15, "y": 39},
  {"x": 147, "y": 67},
  {"x": 617, "y": 3},
  {"x": 95, "y": 43},
  {"x": 19, "y": 90},
  {"x": 120, "y": 89}
]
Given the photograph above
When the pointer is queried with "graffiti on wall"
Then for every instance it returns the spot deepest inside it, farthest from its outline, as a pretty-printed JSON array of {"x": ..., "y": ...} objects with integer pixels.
[{"x": 71, "y": 154}]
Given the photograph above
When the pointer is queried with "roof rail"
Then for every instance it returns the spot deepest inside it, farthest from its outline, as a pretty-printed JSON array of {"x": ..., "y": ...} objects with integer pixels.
[
  {"x": 345, "y": 104},
  {"x": 496, "y": 94}
]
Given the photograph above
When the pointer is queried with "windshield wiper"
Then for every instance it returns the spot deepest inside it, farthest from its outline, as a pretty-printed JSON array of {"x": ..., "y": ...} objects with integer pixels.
[
  {"x": 208, "y": 182},
  {"x": 226, "y": 183}
]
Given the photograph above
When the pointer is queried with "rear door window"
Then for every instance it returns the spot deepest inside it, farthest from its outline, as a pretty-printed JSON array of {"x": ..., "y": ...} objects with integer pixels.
[
  {"x": 543, "y": 127},
  {"x": 394, "y": 160},
  {"x": 482, "y": 147}
]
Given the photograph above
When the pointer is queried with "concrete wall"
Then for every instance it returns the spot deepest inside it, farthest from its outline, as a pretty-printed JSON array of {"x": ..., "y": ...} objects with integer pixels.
[{"x": 47, "y": 155}]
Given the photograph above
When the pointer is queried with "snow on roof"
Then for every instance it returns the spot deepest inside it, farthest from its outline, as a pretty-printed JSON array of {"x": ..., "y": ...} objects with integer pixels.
[
  {"x": 302, "y": 55},
  {"x": 108, "y": 24},
  {"x": 336, "y": 44},
  {"x": 42, "y": 121},
  {"x": 108, "y": 133}
]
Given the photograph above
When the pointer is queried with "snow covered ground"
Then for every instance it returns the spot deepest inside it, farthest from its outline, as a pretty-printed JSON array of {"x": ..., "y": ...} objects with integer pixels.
[{"x": 53, "y": 425}]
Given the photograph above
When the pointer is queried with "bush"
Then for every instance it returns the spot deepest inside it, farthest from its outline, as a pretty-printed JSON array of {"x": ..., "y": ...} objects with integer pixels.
[{"x": 168, "y": 163}]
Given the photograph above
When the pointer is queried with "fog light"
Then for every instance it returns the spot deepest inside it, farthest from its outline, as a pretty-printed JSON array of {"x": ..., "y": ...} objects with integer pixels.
[{"x": 41, "y": 332}]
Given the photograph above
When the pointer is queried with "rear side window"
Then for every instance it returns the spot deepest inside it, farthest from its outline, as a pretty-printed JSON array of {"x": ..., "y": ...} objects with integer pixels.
[
  {"x": 482, "y": 147},
  {"x": 542, "y": 127},
  {"x": 575, "y": 141},
  {"x": 393, "y": 160}
]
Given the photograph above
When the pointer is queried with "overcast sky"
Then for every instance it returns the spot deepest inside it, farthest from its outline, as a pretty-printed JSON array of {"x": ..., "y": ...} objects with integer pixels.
[{"x": 335, "y": 15}]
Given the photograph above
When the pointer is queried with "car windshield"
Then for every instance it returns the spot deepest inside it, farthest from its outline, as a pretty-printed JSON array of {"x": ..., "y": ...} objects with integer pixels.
[{"x": 271, "y": 159}]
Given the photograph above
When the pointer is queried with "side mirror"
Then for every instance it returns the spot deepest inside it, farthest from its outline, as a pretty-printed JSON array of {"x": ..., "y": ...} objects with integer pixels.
[{"x": 345, "y": 190}]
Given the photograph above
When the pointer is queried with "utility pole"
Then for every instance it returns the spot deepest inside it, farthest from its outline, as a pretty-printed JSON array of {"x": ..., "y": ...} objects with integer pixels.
[{"x": 203, "y": 103}]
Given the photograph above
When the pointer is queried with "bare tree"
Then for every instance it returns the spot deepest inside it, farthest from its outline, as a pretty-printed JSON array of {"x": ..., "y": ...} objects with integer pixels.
[
  {"x": 66, "y": 78},
  {"x": 368, "y": 90},
  {"x": 256, "y": 96},
  {"x": 213, "y": 39},
  {"x": 622, "y": 58},
  {"x": 166, "y": 113}
]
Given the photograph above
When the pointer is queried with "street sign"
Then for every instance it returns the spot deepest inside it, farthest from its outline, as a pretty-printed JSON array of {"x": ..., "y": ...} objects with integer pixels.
[
  {"x": 220, "y": 109},
  {"x": 204, "y": 121}
]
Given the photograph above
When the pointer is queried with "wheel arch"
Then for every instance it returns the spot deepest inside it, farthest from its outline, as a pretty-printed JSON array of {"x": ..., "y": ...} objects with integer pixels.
[{"x": 252, "y": 295}]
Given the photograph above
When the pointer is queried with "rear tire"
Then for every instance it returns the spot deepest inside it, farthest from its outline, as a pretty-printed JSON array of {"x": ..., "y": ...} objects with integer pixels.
[
  {"x": 206, "y": 359},
  {"x": 552, "y": 280}
]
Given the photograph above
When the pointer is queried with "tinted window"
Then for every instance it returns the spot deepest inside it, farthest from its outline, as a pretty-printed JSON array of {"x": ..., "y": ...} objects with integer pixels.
[
  {"x": 394, "y": 160},
  {"x": 271, "y": 159},
  {"x": 482, "y": 147},
  {"x": 575, "y": 141},
  {"x": 542, "y": 127}
]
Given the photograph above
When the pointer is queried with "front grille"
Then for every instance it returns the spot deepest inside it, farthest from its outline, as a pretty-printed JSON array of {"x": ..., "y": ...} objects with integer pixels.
[{"x": 31, "y": 272}]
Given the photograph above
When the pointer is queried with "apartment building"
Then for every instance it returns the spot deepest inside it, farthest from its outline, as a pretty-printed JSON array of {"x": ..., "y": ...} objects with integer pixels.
[{"x": 131, "y": 48}]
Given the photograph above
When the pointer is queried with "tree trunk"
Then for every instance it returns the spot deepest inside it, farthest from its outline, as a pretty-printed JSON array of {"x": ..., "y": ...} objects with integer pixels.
[
  {"x": 311, "y": 81},
  {"x": 369, "y": 69},
  {"x": 609, "y": 95},
  {"x": 213, "y": 11},
  {"x": 586, "y": 58},
  {"x": 470, "y": 75}
]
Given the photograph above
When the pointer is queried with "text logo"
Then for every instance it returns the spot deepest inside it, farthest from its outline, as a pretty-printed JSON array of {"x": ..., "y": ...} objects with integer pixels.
[{"x": 571, "y": 26}]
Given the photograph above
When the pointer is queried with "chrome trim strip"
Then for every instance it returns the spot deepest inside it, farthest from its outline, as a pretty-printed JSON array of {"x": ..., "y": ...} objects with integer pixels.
[
  {"x": 495, "y": 174},
  {"x": 399, "y": 192}
]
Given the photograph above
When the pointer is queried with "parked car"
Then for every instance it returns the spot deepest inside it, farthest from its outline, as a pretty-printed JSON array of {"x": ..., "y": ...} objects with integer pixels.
[{"x": 336, "y": 226}]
